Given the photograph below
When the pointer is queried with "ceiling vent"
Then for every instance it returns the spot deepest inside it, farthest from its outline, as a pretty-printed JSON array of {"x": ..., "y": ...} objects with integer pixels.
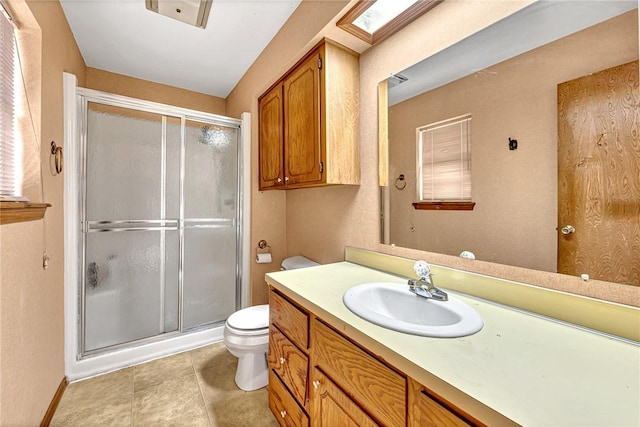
[{"x": 193, "y": 12}]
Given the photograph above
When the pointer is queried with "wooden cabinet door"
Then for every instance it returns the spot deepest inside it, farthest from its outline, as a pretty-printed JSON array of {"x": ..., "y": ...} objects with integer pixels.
[
  {"x": 285, "y": 410},
  {"x": 330, "y": 406},
  {"x": 379, "y": 390},
  {"x": 289, "y": 363},
  {"x": 271, "y": 122},
  {"x": 424, "y": 411},
  {"x": 302, "y": 148}
]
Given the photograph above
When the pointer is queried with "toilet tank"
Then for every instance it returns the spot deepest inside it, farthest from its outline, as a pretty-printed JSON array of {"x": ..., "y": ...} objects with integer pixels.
[{"x": 297, "y": 261}]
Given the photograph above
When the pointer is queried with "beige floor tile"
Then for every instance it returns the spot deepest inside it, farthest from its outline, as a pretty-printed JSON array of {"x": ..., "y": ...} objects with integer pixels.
[
  {"x": 158, "y": 371},
  {"x": 115, "y": 388},
  {"x": 116, "y": 413},
  {"x": 241, "y": 409},
  {"x": 175, "y": 401},
  {"x": 210, "y": 356},
  {"x": 217, "y": 383},
  {"x": 167, "y": 392}
]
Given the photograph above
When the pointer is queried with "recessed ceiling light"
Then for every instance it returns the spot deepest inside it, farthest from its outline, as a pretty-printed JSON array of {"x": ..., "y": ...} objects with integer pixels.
[{"x": 193, "y": 12}]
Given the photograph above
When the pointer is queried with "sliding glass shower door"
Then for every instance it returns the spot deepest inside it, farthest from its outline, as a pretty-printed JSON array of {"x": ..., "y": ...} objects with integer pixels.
[
  {"x": 210, "y": 223},
  {"x": 159, "y": 223}
]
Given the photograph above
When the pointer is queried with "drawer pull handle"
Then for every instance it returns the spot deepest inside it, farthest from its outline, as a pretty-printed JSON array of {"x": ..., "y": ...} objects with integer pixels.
[
  {"x": 283, "y": 414},
  {"x": 316, "y": 384},
  {"x": 282, "y": 360}
]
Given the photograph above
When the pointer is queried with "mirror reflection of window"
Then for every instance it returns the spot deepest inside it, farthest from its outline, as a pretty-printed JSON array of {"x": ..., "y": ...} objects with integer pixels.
[{"x": 444, "y": 160}]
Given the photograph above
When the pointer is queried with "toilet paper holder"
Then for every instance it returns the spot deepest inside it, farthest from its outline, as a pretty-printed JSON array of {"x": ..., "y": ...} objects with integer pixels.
[
  {"x": 263, "y": 253},
  {"x": 262, "y": 244}
]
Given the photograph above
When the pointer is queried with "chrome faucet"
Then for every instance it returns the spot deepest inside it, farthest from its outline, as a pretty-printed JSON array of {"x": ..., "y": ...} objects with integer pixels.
[{"x": 424, "y": 286}]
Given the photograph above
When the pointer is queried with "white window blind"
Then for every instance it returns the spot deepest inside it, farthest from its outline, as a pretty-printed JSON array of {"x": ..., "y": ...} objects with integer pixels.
[
  {"x": 8, "y": 180},
  {"x": 444, "y": 160}
]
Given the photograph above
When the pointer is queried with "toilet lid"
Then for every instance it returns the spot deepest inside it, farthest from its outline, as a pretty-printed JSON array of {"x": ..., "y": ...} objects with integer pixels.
[{"x": 256, "y": 317}]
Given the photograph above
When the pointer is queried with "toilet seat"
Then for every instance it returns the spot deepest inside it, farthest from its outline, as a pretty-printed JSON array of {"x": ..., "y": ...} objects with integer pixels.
[{"x": 250, "y": 321}]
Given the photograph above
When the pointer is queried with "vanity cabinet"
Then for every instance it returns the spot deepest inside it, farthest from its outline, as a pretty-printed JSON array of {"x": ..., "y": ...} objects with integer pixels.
[
  {"x": 319, "y": 377},
  {"x": 288, "y": 361},
  {"x": 425, "y": 411},
  {"x": 378, "y": 389},
  {"x": 332, "y": 406},
  {"x": 308, "y": 122}
]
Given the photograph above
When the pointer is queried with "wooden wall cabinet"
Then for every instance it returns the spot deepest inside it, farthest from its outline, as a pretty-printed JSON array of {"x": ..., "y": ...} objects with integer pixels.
[
  {"x": 308, "y": 122},
  {"x": 318, "y": 377}
]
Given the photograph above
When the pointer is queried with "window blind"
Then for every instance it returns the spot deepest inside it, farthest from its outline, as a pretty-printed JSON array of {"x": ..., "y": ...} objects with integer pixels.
[
  {"x": 8, "y": 181},
  {"x": 444, "y": 164}
]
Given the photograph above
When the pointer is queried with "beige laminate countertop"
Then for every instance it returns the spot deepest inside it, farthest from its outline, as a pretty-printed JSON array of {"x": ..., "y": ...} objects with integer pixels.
[{"x": 533, "y": 371}]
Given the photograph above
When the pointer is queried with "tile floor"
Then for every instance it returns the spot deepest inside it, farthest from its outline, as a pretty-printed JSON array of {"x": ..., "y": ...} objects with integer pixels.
[{"x": 194, "y": 388}]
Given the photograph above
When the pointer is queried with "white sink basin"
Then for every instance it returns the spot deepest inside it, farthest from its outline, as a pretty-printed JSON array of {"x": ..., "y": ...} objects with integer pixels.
[{"x": 393, "y": 306}]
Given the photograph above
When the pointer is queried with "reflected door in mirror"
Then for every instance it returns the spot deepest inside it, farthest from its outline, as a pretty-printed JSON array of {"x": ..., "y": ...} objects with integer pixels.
[{"x": 599, "y": 175}]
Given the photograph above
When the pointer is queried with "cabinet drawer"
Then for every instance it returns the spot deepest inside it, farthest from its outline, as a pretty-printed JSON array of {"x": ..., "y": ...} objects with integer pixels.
[
  {"x": 425, "y": 411},
  {"x": 289, "y": 363},
  {"x": 290, "y": 320},
  {"x": 284, "y": 408},
  {"x": 378, "y": 389}
]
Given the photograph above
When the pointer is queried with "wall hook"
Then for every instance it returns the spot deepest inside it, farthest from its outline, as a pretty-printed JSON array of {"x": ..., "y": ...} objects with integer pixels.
[{"x": 58, "y": 157}]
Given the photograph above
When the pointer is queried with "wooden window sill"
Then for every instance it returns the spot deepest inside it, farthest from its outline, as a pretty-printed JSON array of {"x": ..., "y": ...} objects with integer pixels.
[
  {"x": 444, "y": 206},
  {"x": 12, "y": 212}
]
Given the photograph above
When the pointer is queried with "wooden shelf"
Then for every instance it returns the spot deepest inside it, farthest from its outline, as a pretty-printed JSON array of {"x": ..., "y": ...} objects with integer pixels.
[{"x": 11, "y": 212}]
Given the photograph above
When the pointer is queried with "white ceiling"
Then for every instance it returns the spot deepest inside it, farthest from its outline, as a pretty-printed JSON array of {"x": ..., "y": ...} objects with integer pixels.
[
  {"x": 123, "y": 37},
  {"x": 531, "y": 27}
]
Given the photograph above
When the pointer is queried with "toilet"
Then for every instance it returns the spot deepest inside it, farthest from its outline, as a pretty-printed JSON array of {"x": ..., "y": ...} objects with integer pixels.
[{"x": 246, "y": 335}]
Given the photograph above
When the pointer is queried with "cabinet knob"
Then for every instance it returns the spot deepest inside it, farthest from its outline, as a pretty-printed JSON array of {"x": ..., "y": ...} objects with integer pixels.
[
  {"x": 282, "y": 360},
  {"x": 279, "y": 179},
  {"x": 286, "y": 178},
  {"x": 283, "y": 414},
  {"x": 316, "y": 384}
]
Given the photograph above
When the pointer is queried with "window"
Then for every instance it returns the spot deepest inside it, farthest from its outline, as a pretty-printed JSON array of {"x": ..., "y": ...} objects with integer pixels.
[
  {"x": 444, "y": 165},
  {"x": 9, "y": 184},
  {"x": 375, "y": 20},
  {"x": 15, "y": 116}
]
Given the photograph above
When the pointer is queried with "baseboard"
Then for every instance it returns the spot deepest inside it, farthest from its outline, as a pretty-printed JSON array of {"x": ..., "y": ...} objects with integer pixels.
[{"x": 48, "y": 416}]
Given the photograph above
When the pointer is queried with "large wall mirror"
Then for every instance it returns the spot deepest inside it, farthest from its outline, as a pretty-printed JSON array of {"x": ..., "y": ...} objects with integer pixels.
[{"x": 545, "y": 77}]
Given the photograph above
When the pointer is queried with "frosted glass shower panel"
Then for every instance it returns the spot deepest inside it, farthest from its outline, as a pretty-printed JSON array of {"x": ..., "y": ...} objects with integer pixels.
[
  {"x": 210, "y": 271},
  {"x": 130, "y": 156},
  {"x": 126, "y": 280},
  {"x": 211, "y": 165}
]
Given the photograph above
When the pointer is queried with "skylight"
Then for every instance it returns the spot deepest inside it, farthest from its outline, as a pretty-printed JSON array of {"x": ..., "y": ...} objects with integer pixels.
[
  {"x": 381, "y": 13},
  {"x": 375, "y": 20}
]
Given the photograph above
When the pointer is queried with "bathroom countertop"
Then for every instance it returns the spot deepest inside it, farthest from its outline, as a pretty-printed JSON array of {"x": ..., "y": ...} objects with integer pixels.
[{"x": 531, "y": 370}]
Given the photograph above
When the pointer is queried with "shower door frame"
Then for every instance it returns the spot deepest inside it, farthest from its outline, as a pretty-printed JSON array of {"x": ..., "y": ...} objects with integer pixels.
[{"x": 76, "y": 102}]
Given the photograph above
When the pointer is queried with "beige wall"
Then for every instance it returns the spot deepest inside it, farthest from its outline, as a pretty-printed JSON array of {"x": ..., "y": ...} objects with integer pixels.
[
  {"x": 320, "y": 222},
  {"x": 515, "y": 217},
  {"x": 268, "y": 208},
  {"x": 130, "y": 86},
  {"x": 31, "y": 306},
  {"x": 32, "y": 299}
]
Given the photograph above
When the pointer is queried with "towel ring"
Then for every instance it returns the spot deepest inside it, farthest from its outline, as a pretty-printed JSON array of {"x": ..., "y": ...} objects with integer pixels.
[
  {"x": 58, "y": 157},
  {"x": 400, "y": 182}
]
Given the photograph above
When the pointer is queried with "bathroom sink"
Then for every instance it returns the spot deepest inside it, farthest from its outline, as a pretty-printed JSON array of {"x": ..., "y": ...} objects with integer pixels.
[{"x": 393, "y": 306}]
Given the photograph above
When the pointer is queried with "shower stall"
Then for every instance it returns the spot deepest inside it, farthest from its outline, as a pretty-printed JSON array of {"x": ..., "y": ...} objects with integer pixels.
[{"x": 160, "y": 236}]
